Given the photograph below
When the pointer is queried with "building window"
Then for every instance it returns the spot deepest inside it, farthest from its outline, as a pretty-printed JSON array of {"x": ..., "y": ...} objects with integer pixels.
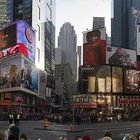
[
  {"x": 38, "y": 12},
  {"x": 38, "y": 30},
  {"x": 38, "y": 52}
]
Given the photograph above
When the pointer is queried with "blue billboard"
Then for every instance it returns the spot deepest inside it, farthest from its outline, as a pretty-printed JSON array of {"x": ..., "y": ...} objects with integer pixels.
[
  {"x": 29, "y": 75},
  {"x": 26, "y": 38}
]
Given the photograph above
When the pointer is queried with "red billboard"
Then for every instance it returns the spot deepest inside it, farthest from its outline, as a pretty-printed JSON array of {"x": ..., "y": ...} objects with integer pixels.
[{"x": 94, "y": 48}]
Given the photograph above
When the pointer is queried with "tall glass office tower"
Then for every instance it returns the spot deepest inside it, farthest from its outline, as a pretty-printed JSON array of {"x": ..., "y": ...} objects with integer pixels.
[{"x": 125, "y": 17}]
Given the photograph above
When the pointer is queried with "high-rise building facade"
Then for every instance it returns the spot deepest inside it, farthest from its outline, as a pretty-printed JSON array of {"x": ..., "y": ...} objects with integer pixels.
[
  {"x": 67, "y": 42},
  {"x": 98, "y": 22},
  {"x": 3, "y": 12},
  {"x": 40, "y": 15},
  {"x": 125, "y": 17}
]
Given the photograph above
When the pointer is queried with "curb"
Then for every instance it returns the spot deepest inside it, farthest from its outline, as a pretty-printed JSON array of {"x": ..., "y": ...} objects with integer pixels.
[{"x": 61, "y": 130}]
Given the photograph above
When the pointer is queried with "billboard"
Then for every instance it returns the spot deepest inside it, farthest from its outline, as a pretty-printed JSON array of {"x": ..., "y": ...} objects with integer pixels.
[
  {"x": 26, "y": 37},
  {"x": 10, "y": 73},
  {"x": 94, "y": 47},
  {"x": 7, "y": 37},
  {"x": 17, "y": 38},
  {"x": 42, "y": 83},
  {"x": 121, "y": 57},
  {"x": 117, "y": 80},
  {"x": 29, "y": 75},
  {"x": 95, "y": 79},
  {"x": 132, "y": 81}
]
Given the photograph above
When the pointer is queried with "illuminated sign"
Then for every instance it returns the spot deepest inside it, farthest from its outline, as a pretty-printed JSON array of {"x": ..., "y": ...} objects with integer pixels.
[
  {"x": 84, "y": 101},
  {"x": 29, "y": 36},
  {"x": 19, "y": 48}
]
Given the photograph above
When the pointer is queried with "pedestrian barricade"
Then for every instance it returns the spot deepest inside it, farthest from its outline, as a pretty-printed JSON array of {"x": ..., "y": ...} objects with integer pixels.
[{"x": 45, "y": 123}]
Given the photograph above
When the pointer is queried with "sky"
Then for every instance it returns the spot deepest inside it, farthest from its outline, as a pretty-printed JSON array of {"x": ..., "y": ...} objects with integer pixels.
[{"x": 80, "y": 14}]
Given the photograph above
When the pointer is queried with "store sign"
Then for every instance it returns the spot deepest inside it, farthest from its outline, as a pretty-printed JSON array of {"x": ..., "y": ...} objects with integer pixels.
[
  {"x": 84, "y": 101},
  {"x": 129, "y": 101}
]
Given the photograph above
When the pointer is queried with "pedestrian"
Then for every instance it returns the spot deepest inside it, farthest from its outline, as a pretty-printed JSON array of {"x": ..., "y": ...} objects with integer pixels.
[
  {"x": 107, "y": 136},
  {"x": 62, "y": 138},
  {"x": 18, "y": 116},
  {"x": 10, "y": 118},
  {"x": 2, "y": 135},
  {"x": 23, "y": 136},
  {"x": 13, "y": 133},
  {"x": 86, "y": 137},
  {"x": 78, "y": 138}
]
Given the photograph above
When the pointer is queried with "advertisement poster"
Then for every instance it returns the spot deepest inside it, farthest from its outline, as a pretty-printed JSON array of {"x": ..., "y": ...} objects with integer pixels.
[
  {"x": 29, "y": 76},
  {"x": 26, "y": 38},
  {"x": 132, "y": 81},
  {"x": 94, "y": 48},
  {"x": 117, "y": 80},
  {"x": 10, "y": 73},
  {"x": 121, "y": 57}
]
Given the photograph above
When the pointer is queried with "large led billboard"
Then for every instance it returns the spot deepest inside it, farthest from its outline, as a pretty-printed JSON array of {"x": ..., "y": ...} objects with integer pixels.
[
  {"x": 117, "y": 80},
  {"x": 18, "y": 37},
  {"x": 132, "y": 81},
  {"x": 29, "y": 75},
  {"x": 94, "y": 47},
  {"x": 26, "y": 37},
  {"x": 121, "y": 57},
  {"x": 10, "y": 73},
  {"x": 95, "y": 79},
  {"x": 7, "y": 37}
]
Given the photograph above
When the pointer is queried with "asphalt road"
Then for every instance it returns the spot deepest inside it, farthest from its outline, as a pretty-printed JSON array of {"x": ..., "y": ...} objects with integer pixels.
[{"x": 35, "y": 130}]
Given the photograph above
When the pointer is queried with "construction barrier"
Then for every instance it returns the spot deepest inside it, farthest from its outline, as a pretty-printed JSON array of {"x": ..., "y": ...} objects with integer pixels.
[
  {"x": 72, "y": 128},
  {"x": 45, "y": 123}
]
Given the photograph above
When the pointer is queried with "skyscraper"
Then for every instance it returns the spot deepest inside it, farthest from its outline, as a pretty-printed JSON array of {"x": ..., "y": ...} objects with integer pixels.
[
  {"x": 67, "y": 42},
  {"x": 124, "y": 23},
  {"x": 3, "y": 12}
]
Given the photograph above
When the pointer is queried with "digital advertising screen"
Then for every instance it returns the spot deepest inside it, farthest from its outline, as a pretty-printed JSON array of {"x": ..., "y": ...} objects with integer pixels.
[
  {"x": 29, "y": 75},
  {"x": 95, "y": 79},
  {"x": 121, "y": 57},
  {"x": 117, "y": 80},
  {"x": 7, "y": 37},
  {"x": 104, "y": 79},
  {"x": 94, "y": 47},
  {"x": 10, "y": 73},
  {"x": 132, "y": 81},
  {"x": 26, "y": 38}
]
